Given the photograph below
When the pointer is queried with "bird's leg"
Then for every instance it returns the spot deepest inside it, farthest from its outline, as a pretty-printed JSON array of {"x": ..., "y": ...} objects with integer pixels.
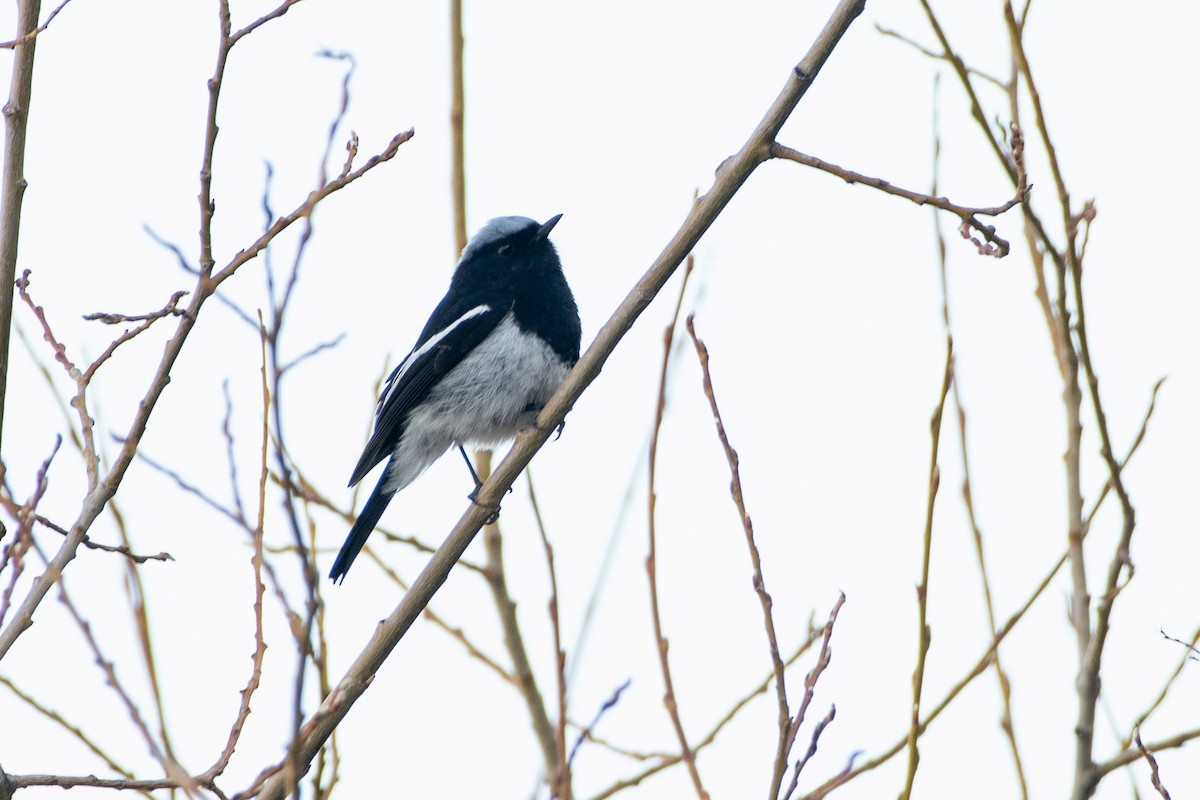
[
  {"x": 478, "y": 485},
  {"x": 474, "y": 474}
]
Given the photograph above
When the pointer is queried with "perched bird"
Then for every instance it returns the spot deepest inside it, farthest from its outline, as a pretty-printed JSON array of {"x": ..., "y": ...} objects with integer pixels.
[{"x": 494, "y": 350}]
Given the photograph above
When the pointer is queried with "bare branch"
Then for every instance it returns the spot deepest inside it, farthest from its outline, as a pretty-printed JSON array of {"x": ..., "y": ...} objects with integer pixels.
[
  {"x": 923, "y": 632},
  {"x": 1128, "y": 756},
  {"x": 1006, "y": 718},
  {"x": 786, "y": 730},
  {"x": 667, "y": 761},
  {"x": 926, "y": 51},
  {"x": 586, "y": 732},
  {"x": 968, "y": 215},
  {"x": 1155, "y": 780},
  {"x": 514, "y": 643},
  {"x": 662, "y": 645},
  {"x": 810, "y": 690},
  {"x": 71, "y": 728},
  {"x": 12, "y": 174},
  {"x": 561, "y": 784},
  {"x": 26, "y": 38}
]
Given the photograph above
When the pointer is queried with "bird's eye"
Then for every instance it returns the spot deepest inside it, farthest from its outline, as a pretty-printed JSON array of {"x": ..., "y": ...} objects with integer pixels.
[{"x": 504, "y": 250}]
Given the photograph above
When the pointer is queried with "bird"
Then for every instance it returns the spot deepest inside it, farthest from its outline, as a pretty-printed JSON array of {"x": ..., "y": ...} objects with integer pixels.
[{"x": 492, "y": 353}]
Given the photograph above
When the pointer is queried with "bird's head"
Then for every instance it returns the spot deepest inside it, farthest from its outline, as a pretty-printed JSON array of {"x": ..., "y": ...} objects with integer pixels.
[{"x": 510, "y": 248}]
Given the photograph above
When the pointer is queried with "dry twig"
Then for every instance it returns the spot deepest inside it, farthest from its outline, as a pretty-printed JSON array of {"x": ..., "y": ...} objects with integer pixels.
[
  {"x": 1155, "y": 780},
  {"x": 992, "y": 245},
  {"x": 662, "y": 644}
]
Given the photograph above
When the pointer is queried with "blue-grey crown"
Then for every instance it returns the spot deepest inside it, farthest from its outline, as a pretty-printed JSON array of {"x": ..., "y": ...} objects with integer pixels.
[{"x": 497, "y": 229}]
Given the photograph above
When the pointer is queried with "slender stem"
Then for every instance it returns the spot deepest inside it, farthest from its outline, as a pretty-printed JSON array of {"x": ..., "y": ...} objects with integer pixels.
[
  {"x": 12, "y": 175},
  {"x": 662, "y": 645},
  {"x": 458, "y": 160},
  {"x": 923, "y": 632},
  {"x": 787, "y": 731},
  {"x": 560, "y": 785},
  {"x": 493, "y": 540},
  {"x": 1006, "y": 718},
  {"x": 514, "y": 642}
]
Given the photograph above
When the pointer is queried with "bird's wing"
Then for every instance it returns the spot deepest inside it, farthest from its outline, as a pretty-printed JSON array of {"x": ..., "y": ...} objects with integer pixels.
[{"x": 438, "y": 352}]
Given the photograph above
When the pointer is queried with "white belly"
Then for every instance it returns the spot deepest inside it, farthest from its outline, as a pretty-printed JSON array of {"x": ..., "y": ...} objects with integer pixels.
[{"x": 466, "y": 407}]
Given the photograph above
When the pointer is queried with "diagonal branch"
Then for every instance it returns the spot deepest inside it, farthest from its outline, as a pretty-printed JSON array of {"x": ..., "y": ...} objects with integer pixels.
[
  {"x": 967, "y": 214},
  {"x": 730, "y": 177},
  {"x": 786, "y": 729}
]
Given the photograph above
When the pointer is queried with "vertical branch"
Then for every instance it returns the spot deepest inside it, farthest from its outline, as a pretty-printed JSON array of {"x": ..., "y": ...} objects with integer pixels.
[
  {"x": 207, "y": 208},
  {"x": 458, "y": 167},
  {"x": 552, "y": 753},
  {"x": 515, "y": 644},
  {"x": 560, "y": 785},
  {"x": 458, "y": 171},
  {"x": 139, "y": 607},
  {"x": 271, "y": 334},
  {"x": 672, "y": 707},
  {"x": 923, "y": 633},
  {"x": 1006, "y": 720},
  {"x": 256, "y": 563},
  {"x": 1090, "y": 643},
  {"x": 12, "y": 175},
  {"x": 787, "y": 730}
]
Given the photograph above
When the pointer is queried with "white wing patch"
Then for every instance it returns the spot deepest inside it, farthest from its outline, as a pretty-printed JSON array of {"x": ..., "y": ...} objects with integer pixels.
[{"x": 412, "y": 357}]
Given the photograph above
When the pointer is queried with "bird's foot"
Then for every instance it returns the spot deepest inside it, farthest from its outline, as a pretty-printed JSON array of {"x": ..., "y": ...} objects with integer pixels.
[
  {"x": 556, "y": 430},
  {"x": 495, "y": 509}
]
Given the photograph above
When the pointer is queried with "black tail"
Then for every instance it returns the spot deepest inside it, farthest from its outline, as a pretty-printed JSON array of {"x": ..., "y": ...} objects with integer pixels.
[{"x": 363, "y": 526}]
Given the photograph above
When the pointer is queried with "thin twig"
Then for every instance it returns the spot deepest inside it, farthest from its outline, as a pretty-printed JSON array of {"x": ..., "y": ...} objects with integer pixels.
[
  {"x": 662, "y": 645},
  {"x": 968, "y": 215},
  {"x": 560, "y": 785},
  {"x": 72, "y": 781},
  {"x": 26, "y": 38},
  {"x": 1130, "y": 755},
  {"x": 786, "y": 731},
  {"x": 667, "y": 761},
  {"x": 913, "y": 43},
  {"x": 25, "y": 514},
  {"x": 923, "y": 631},
  {"x": 256, "y": 565},
  {"x": 1006, "y": 718},
  {"x": 172, "y": 769},
  {"x": 79, "y": 378},
  {"x": 120, "y": 549},
  {"x": 1155, "y": 780},
  {"x": 586, "y": 732},
  {"x": 514, "y": 643},
  {"x": 73, "y": 729},
  {"x": 980, "y": 666},
  {"x": 457, "y": 633},
  {"x": 824, "y": 656}
]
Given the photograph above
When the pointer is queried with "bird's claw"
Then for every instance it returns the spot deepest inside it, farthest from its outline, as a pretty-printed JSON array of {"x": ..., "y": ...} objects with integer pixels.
[{"x": 495, "y": 509}]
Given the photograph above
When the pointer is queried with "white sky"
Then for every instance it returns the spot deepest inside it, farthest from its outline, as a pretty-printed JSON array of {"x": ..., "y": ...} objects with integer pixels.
[{"x": 820, "y": 305}]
